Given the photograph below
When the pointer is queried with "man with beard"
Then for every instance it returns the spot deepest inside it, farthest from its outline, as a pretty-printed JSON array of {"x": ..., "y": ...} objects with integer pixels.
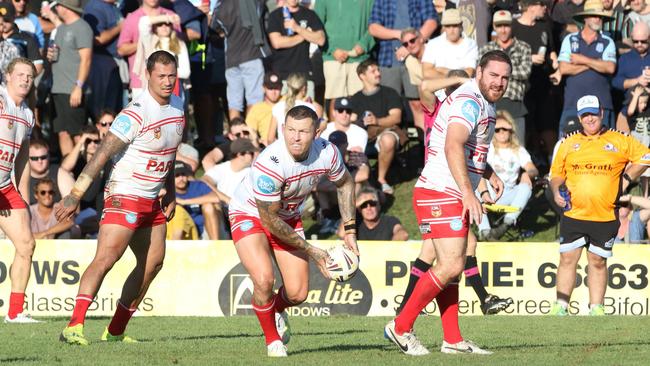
[
  {"x": 445, "y": 203},
  {"x": 587, "y": 61}
]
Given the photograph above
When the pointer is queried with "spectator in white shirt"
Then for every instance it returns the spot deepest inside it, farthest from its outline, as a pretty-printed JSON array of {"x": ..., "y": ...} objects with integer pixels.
[{"x": 357, "y": 136}]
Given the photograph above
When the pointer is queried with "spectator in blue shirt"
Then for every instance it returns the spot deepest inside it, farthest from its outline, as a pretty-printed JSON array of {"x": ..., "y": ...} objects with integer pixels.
[
  {"x": 387, "y": 20},
  {"x": 28, "y": 22},
  {"x": 201, "y": 202},
  {"x": 587, "y": 60}
]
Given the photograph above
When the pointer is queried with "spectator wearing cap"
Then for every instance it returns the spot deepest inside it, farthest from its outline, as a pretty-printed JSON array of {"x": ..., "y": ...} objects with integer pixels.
[
  {"x": 25, "y": 43},
  {"x": 225, "y": 177},
  {"x": 70, "y": 68},
  {"x": 202, "y": 203},
  {"x": 640, "y": 12},
  {"x": 519, "y": 52},
  {"x": 188, "y": 155},
  {"x": 542, "y": 97},
  {"x": 357, "y": 137},
  {"x": 260, "y": 115},
  {"x": 378, "y": 109},
  {"x": 591, "y": 221},
  {"x": 450, "y": 50},
  {"x": 633, "y": 69},
  {"x": 104, "y": 80},
  {"x": 587, "y": 61},
  {"x": 387, "y": 20},
  {"x": 290, "y": 40},
  {"x": 244, "y": 52},
  {"x": 237, "y": 129},
  {"x": 28, "y": 22},
  {"x": 374, "y": 225},
  {"x": 357, "y": 165},
  {"x": 348, "y": 43},
  {"x": 476, "y": 19}
]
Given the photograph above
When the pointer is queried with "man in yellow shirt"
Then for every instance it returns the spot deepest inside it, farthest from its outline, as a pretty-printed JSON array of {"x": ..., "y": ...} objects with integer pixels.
[
  {"x": 259, "y": 117},
  {"x": 592, "y": 166},
  {"x": 181, "y": 226}
]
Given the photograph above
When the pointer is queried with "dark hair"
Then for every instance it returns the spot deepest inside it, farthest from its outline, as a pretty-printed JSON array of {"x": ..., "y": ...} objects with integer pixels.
[
  {"x": 303, "y": 112},
  {"x": 236, "y": 121},
  {"x": 37, "y": 142},
  {"x": 363, "y": 67},
  {"x": 458, "y": 73},
  {"x": 160, "y": 57},
  {"x": 44, "y": 180},
  {"x": 495, "y": 55},
  {"x": 106, "y": 111}
]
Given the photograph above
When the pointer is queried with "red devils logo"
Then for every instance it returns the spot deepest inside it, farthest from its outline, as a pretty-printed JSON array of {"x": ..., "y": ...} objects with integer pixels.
[
  {"x": 156, "y": 132},
  {"x": 436, "y": 211}
]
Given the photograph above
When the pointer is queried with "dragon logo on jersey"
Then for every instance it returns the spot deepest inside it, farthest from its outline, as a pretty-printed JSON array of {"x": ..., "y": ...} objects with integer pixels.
[
  {"x": 122, "y": 124},
  {"x": 10, "y": 124},
  {"x": 470, "y": 110},
  {"x": 436, "y": 211},
  {"x": 156, "y": 132},
  {"x": 265, "y": 184}
]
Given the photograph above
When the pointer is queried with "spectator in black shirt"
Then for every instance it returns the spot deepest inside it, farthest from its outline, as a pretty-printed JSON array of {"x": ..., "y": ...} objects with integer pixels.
[
  {"x": 237, "y": 129},
  {"x": 25, "y": 43},
  {"x": 373, "y": 224}
]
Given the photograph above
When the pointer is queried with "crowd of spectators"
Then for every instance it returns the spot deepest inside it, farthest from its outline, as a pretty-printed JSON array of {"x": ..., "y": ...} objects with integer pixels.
[{"x": 360, "y": 64}]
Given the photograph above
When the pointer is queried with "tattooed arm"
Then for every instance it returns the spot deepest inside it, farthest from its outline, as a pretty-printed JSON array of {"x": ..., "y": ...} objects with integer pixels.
[
  {"x": 270, "y": 220},
  {"x": 111, "y": 145},
  {"x": 345, "y": 195}
]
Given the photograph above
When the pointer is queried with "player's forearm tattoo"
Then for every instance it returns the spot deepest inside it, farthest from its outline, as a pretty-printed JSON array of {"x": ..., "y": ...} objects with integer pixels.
[
  {"x": 109, "y": 147},
  {"x": 269, "y": 217},
  {"x": 345, "y": 195}
]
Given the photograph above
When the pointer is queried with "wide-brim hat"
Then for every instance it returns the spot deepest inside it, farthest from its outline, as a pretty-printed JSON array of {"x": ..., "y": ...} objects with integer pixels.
[
  {"x": 593, "y": 8},
  {"x": 74, "y": 5}
]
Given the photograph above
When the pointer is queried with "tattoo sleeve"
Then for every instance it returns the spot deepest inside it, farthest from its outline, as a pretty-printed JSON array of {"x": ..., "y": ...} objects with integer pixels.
[
  {"x": 345, "y": 195},
  {"x": 269, "y": 217}
]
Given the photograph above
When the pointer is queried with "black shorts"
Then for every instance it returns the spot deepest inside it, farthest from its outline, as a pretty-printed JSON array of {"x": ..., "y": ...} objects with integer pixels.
[
  {"x": 578, "y": 233},
  {"x": 67, "y": 118}
]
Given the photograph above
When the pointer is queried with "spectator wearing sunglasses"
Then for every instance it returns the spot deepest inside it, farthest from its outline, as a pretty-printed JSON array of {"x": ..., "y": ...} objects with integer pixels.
[
  {"x": 44, "y": 224},
  {"x": 411, "y": 54},
  {"x": 375, "y": 225},
  {"x": 357, "y": 136},
  {"x": 92, "y": 201},
  {"x": 513, "y": 165},
  {"x": 40, "y": 167},
  {"x": 104, "y": 122},
  {"x": 238, "y": 129}
]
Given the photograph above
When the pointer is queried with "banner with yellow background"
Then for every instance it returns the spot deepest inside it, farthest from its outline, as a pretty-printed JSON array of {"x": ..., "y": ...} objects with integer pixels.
[{"x": 205, "y": 278}]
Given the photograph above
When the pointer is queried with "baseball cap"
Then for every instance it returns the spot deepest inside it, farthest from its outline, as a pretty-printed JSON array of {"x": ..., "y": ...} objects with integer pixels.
[
  {"x": 272, "y": 81},
  {"x": 338, "y": 138},
  {"x": 182, "y": 168},
  {"x": 451, "y": 17},
  {"x": 242, "y": 145},
  {"x": 588, "y": 104},
  {"x": 7, "y": 11},
  {"x": 502, "y": 17},
  {"x": 342, "y": 103},
  {"x": 188, "y": 151}
]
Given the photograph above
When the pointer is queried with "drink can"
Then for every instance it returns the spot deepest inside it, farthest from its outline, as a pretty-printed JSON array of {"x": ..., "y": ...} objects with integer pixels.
[
  {"x": 55, "y": 51},
  {"x": 286, "y": 14},
  {"x": 566, "y": 195}
]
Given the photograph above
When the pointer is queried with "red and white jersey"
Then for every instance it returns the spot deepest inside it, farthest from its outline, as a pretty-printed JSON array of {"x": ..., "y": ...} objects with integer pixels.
[
  {"x": 276, "y": 176},
  {"x": 467, "y": 107},
  {"x": 153, "y": 132},
  {"x": 16, "y": 123}
]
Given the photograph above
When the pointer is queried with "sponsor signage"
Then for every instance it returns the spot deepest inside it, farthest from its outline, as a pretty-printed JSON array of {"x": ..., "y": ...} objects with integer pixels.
[{"x": 205, "y": 278}]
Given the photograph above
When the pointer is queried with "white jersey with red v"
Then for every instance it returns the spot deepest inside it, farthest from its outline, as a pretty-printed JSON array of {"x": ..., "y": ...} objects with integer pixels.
[
  {"x": 276, "y": 176},
  {"x": 465, "y": 107},
  {"x": 153, "y": 133}
]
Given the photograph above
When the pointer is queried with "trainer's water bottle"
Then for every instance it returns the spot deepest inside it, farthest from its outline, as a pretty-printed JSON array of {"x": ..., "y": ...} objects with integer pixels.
[
  {"x": 566, "y": 195},
  {"x": 286, "y": 14}
]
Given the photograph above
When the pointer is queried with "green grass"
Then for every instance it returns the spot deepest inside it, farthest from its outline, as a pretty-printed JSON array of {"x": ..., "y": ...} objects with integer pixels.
[{"x": 336, "y": 341}]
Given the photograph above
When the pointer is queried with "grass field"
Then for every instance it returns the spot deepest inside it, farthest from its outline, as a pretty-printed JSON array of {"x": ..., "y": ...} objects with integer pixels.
[{"x": 336, "y": 341}]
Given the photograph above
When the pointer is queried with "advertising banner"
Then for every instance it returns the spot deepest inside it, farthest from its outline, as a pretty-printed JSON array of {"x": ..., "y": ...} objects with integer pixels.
[{"x": 205, "y": 278}]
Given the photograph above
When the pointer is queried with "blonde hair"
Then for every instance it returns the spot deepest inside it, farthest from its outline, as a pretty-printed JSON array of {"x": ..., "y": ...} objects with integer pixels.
[
  {"x": 174, "y": 43},
  {"x": 513, "y": 140},
  {"x": 295, "y": 84}
]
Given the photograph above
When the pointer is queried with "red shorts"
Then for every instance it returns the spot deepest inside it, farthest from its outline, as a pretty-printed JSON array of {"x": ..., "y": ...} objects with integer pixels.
[
  {"x": 10, "y": 199},
  {"x": 132, "y": 212},
  {"x": 439, "y": 214},
  {"x": 242, "y": 225}
]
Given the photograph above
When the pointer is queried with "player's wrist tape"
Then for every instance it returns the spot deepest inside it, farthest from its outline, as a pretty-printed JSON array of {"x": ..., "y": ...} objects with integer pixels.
[
  {"x": 350, "y": 226},
  {"x": 81, "y": 185}
]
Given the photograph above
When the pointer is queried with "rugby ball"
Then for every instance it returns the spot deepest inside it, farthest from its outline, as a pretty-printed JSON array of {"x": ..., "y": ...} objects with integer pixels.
[{"x": 343, "y": 264}]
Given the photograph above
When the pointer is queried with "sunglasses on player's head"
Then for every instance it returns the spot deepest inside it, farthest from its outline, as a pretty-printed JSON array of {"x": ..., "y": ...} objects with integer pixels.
[
  {"x": 37, "y": 158},
  {"x": 371, "y": 203}
]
